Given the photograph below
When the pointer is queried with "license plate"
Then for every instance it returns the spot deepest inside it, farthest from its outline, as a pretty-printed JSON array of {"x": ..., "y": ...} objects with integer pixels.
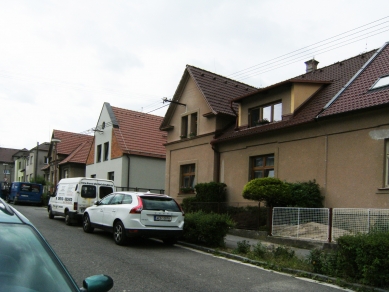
[{"x": 162, "y": 218}]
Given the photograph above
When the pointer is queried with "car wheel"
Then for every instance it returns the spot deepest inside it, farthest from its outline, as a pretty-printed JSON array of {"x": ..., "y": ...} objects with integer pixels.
[
  {"x": 119, "y": 233},
  {"x": 86, "y": 225},
  {"x": 169, "y": 241},
  {"x": 67, "y": 219},
  {"x": 51, "y": 215}
]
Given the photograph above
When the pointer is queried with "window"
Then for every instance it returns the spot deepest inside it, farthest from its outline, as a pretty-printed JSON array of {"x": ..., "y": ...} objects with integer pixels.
[
  {"x": 189, "y": 126},
  {"x": 262, "y": 166},
  {"x": 65, "y": 173},
  {"x": 98, "y": 154},
  {"x": 111, "y": 175},
  {"x": 103, "y": 191},
  {"x": 20, "y": 164},
  {"x": 46, "y": 160},
  {"x": 188, "y": 178},
  {"x": 88, "y": 192},
  {"x": 265, "y": 114},
  {"x": 381, "y": 82},
  {"x": 31, "y": 159},
  {"x": 93, "y": 176},
  {"x": 387, "y": 164},
  {"x": 117, "y": 199},
  {"x": 6, "y": 171},
  {"x": 106, "y": 148}
]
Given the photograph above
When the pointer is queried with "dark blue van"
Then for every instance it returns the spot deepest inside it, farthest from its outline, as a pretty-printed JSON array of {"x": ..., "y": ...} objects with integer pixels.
[{"x": 24, "y": 192}]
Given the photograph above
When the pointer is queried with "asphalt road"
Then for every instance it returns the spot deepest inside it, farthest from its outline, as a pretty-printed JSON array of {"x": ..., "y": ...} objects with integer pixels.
[{"x": 148, "y": 265}]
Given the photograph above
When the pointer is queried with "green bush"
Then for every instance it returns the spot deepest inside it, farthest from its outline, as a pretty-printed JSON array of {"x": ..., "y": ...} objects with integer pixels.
[
  {"x": 211, "y": 192},
  {"x": 269, "y": 189},
  {"x": 259, "y": 250},
  {"x": 206, "y": 228},
  {"x": 365, "y": 257},
  {"x": 243, "y": 247},
  {"x": 305, "y": 195},
  {"x": 188, "y": 204}
]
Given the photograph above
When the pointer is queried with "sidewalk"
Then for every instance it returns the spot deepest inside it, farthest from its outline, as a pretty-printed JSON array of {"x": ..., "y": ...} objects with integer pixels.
[{"x": 232, "y": 242}]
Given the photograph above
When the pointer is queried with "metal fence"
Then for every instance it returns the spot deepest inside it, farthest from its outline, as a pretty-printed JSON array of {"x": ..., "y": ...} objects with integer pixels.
[
  {"x": 155, "y": 191},
  {"x": 325, "y": 224}
]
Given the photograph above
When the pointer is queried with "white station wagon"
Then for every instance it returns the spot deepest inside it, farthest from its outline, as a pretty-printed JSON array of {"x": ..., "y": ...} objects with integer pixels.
[{"x": 133, "y": 214}]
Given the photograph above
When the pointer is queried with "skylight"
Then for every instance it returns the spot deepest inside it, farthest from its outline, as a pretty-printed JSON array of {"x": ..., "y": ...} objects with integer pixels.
[{"x": 381, "y": 82}]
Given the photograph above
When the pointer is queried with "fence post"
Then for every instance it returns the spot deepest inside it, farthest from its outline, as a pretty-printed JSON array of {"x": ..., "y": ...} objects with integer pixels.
[
  {"x": 269, "y": 220},
  {"x": 330, "y": 225}
]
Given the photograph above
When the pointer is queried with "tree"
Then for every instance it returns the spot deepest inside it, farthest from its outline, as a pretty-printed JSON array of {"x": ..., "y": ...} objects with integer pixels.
[{"x": 272, "y": 191}]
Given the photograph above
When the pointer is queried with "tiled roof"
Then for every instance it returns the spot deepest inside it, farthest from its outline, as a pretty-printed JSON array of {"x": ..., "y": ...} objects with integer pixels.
[
  {"x": 75, "y": 146},
  {"x": 6, "y": 155},
  {"x": 218, "y": 90},
  {"x": 339, "y": 74},
  {"x": 139, "y": 133},
  {"x": 357, "y": 95}
]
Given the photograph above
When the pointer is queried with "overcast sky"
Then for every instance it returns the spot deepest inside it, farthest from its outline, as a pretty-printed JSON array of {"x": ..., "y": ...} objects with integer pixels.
[{"x": 61, "y": 60}]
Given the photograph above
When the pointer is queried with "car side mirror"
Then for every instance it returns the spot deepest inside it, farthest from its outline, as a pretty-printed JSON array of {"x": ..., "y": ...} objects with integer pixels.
[{"x": 97, "y": 283}]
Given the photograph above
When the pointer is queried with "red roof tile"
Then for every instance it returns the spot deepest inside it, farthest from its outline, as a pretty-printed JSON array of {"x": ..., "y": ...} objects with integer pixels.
[
  {"x": 139, "y": 133},
  {"x": 75, "y": 146},
  {"x": 339, "y": 73},
  {"x": 358, "y": 95}
]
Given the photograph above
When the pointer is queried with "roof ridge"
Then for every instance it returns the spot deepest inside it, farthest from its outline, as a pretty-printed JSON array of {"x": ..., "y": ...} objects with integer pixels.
[
  {"x": 233, "y": 80},
  {"x": 139, "y": 113}
]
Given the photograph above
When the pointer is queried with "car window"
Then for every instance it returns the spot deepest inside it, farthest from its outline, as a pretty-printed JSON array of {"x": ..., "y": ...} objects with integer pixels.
[
  {"x": 127, "y": 199},
  {"x": 157, "y": 203},
  {"x": 106, "y": 200},
  {"x": 27, "y": 263},
  {"x": 117, "y": 199},
  {"x": 88, "y": 191}
]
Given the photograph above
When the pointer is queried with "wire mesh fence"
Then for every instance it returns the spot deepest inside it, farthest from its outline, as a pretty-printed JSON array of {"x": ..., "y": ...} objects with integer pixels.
[
  {"x": 353, "y": 221},
  {"x": 305, "y": 223}
]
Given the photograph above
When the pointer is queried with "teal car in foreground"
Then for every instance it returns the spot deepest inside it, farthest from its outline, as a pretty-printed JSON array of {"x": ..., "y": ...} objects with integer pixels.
[{"x": 29, "y": 264}]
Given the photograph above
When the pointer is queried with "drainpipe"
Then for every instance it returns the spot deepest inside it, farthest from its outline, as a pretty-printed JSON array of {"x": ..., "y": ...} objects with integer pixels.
[
  {"x": 216, "y": 171},
  {"x": 128, "y": 172}
]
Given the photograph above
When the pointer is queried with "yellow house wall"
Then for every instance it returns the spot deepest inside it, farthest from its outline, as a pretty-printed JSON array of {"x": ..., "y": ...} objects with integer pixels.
[
  {"x": 344, "y": 156},
  {"x": 197, "y": 151},
  {"x": 195, "y": 102},
  {"x": 301, "y": 92}
]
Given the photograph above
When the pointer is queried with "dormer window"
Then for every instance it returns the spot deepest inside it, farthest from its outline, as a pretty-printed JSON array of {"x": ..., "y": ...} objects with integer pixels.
[
  {"x": 381, "y": 82},
  {"x": 265, "y": 114}
]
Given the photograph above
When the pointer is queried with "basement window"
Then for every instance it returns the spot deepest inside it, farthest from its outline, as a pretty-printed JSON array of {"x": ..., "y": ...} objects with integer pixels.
[{"x": 381, "y": 82}]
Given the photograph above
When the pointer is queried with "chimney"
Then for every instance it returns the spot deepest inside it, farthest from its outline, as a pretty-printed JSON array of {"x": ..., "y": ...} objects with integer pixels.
[{"x": 311, "y": 65}]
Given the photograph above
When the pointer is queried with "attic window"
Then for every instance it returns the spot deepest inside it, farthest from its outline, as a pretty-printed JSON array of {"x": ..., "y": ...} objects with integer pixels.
[{"x": 381, "y": 82}]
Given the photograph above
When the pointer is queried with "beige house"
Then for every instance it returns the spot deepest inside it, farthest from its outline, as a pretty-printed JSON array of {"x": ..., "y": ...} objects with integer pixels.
[{"x": 328, "y": 124}]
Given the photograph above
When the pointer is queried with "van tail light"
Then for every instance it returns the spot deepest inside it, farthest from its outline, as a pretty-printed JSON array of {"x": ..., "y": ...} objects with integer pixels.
[
  {"x": 75, "y": 206},
  {"x": 138, "y": 208}
]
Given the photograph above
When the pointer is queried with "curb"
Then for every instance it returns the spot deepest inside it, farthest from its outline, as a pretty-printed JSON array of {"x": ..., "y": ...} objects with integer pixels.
[{"x": 298, "y": 273}]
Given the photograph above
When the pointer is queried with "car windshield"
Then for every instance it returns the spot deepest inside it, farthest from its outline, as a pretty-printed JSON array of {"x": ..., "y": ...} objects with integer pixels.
[
  {"x": 157, "y": 203},
  {"x": 27, "y": 264}
]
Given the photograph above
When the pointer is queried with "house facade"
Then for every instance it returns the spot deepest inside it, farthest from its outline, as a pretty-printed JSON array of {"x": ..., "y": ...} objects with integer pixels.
[
  {"x": 128, "y": 149},
  {"x": 67, "y": 155},
  {"x": 36, "y": 159},
  {"x": 20, "y": 162},
  {"x": 329, "y": 124}
]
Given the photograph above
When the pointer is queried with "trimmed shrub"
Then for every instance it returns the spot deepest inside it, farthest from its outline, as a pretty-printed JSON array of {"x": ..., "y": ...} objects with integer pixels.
[
  {"x": 269, "y": 189},
  {"x": 305, "y": 195},
  {"x": 208, "y": 229},
  {"x": 188, "y": 204},
  {"x": 211, "y": 192}
]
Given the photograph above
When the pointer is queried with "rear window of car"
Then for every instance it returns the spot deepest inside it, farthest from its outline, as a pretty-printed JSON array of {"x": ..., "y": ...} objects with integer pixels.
[
  {"x": 88, "y": 191},
  {"x": 30, "y": 188},
  {"x": 156, "y": 203}
]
